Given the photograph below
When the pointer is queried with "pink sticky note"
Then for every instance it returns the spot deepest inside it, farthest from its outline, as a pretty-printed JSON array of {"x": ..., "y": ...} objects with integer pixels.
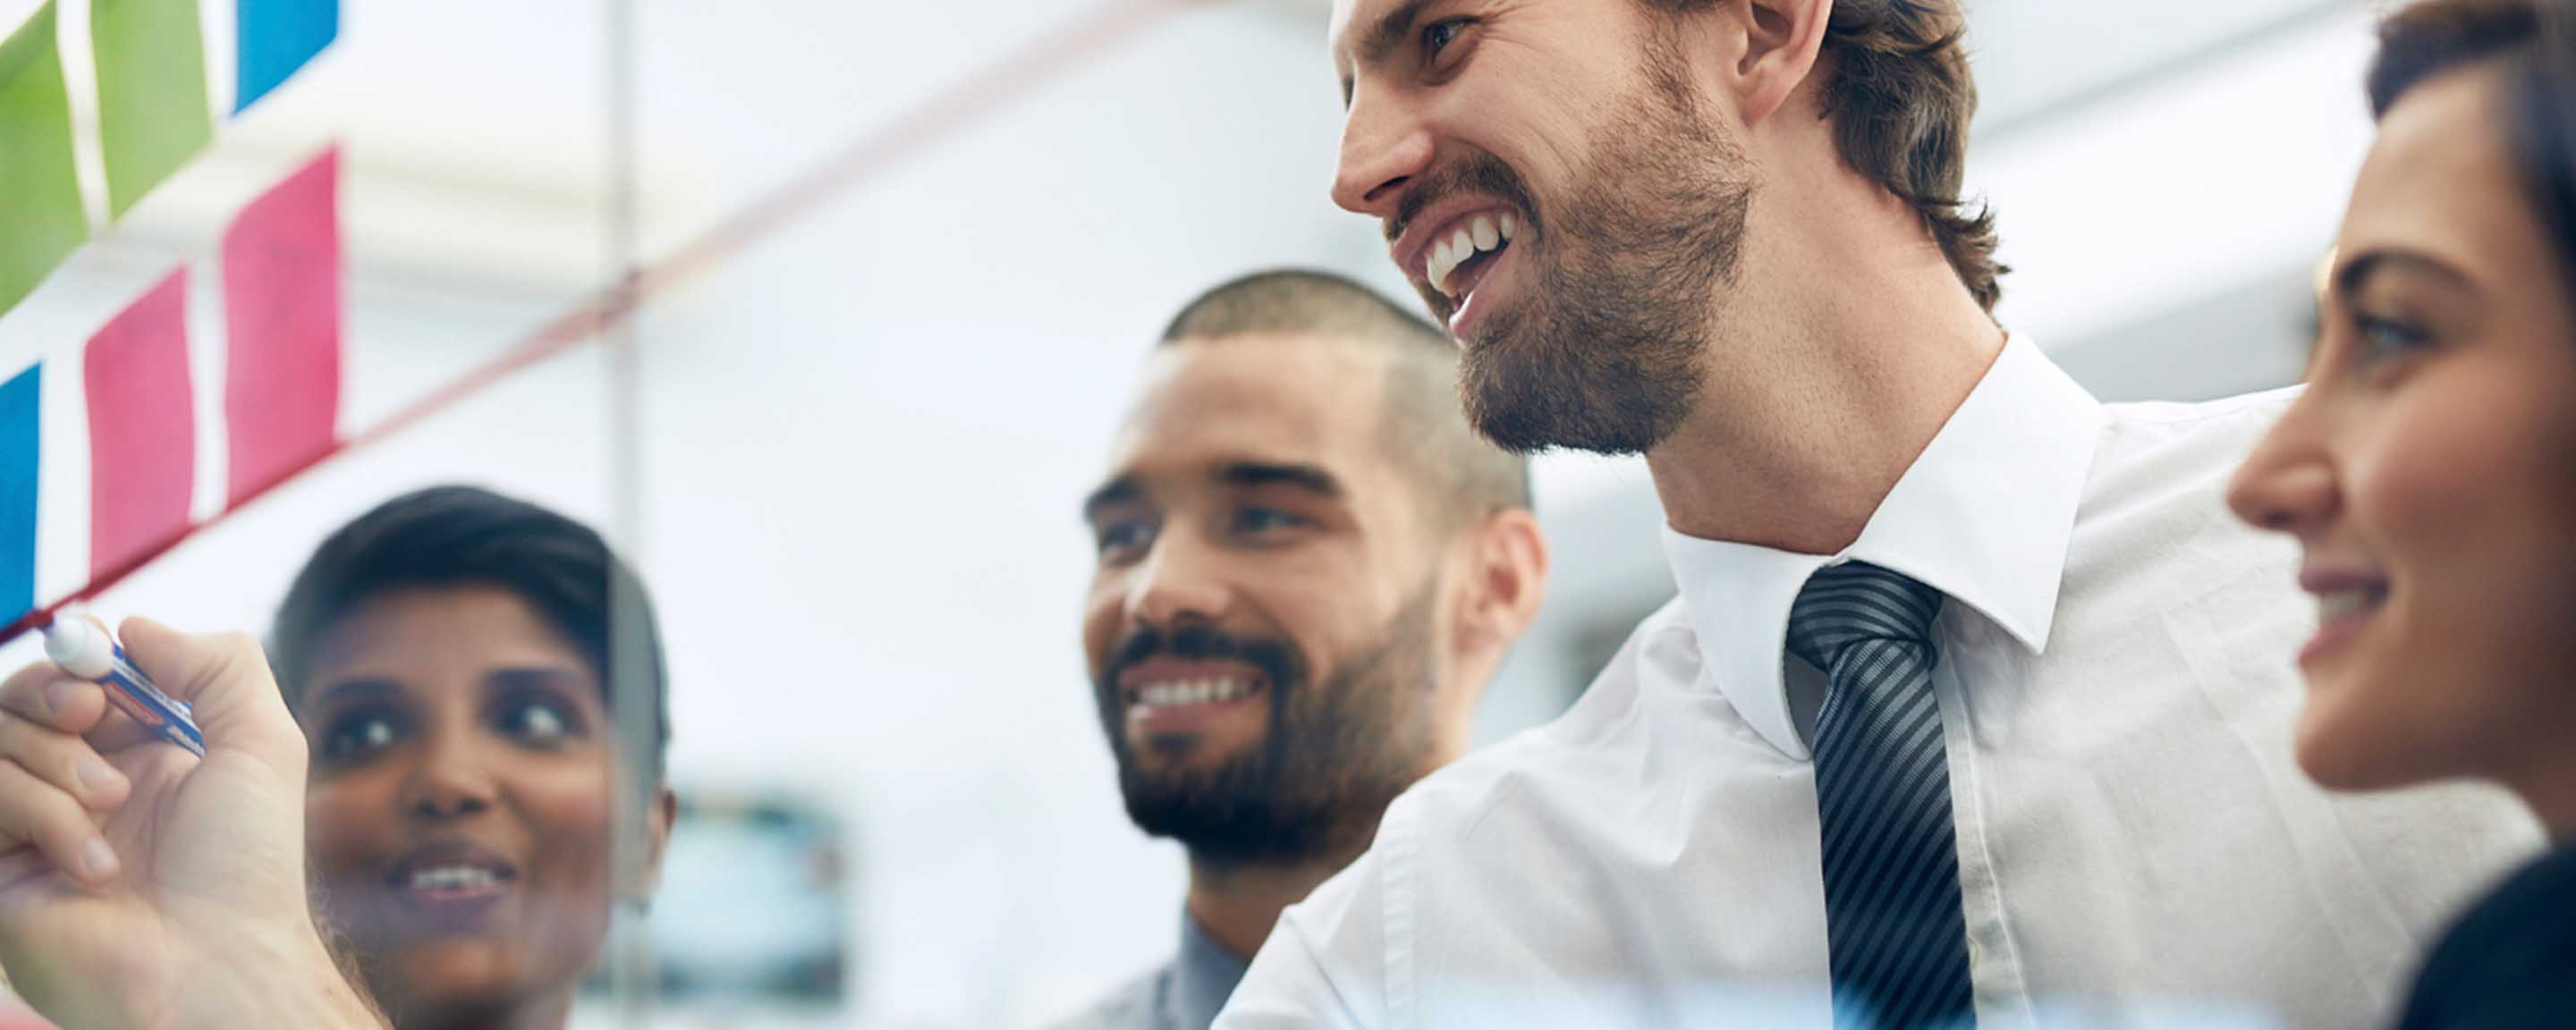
[
  {"x": 142, "y": 427},
  {"x": 282, "y": 319}
]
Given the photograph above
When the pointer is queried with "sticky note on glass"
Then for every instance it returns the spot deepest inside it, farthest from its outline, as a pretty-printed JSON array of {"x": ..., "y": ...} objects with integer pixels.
[
  {"x": 275, "y": 38},
  {"x": 18, "y": 493},
  {"x": 282, "y": 328},
  {"x": 142, "y": 428},
  {"x": 40, "y": 200},
  {"x": 152, "y": 113}
]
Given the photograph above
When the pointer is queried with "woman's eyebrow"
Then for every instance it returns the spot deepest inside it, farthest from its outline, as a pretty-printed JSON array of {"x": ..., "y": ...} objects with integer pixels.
[
  {"x": 530, "y": 676},
  {"x": 2358, "y": 270},
  {"x": 365, "y": 688}
]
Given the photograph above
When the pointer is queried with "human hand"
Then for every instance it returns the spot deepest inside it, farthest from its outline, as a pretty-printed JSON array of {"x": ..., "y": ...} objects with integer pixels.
[{"x": 141, "y": 886}]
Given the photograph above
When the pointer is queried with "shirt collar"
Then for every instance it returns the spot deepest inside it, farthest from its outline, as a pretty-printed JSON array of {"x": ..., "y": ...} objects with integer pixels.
[
  {"x": 1203, "y": 976},
  {"x": 1983, "y": 515}
]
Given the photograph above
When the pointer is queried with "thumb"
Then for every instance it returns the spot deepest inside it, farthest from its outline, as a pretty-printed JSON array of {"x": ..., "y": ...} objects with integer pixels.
[{"x": 225, "y": 680}]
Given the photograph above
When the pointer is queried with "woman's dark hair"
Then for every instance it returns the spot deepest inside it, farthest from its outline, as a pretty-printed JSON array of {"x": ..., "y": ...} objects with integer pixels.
[
  {"x": 2534, "y": 41},
  {"x": 460, "y": 536}
]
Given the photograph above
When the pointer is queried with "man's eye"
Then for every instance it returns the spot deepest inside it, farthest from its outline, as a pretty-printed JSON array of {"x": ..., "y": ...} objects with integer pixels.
[
  {"x": 1256, "y": 521},
  {"x": 1438, "y": 35},
  {"x": 1117, "y": 538}
]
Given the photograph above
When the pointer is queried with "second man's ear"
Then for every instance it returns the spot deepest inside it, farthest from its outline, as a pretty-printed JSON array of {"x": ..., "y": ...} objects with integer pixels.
[{"x": 1511, "y": 564}]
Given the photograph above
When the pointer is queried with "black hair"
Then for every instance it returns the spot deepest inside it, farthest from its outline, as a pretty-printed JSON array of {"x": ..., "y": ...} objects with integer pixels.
[
  {"x": 1463, "y": 475},
  {"x": 459, "y": 536}
]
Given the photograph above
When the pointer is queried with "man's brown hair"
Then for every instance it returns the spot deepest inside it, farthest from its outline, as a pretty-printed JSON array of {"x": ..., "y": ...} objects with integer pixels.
[{"x": 1898, "y": 91}]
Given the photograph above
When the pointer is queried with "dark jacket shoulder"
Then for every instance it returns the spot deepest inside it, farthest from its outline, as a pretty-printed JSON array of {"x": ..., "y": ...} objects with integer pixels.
[{"x": 2511, "y": 961}]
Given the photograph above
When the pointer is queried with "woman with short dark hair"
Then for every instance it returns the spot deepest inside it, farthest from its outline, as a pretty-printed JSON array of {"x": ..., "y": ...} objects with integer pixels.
[{"x": 448, "y": 658}]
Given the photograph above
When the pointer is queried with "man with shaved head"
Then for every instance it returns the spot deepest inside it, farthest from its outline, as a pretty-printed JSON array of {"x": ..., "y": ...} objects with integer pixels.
[{"x": 1309, "y": 566}]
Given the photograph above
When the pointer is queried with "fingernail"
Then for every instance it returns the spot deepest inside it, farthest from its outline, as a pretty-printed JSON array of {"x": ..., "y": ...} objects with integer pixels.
[
  {"x": 96, "y": 776},
  {"x": 58, "y": 694},
  {"x": 98, "y": 860}
]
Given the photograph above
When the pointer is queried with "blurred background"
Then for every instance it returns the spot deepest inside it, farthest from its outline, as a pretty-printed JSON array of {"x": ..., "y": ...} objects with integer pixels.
[{"x": 866, "y": 426}]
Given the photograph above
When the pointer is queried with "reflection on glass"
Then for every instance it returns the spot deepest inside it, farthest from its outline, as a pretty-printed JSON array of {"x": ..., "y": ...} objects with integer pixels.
[{"x": 751, "y": 910}]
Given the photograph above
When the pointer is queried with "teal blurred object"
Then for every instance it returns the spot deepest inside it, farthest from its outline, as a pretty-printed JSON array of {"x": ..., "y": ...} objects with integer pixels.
[
  {"x": 752, "y": 911},
  {"x": 274, "y": 40}
]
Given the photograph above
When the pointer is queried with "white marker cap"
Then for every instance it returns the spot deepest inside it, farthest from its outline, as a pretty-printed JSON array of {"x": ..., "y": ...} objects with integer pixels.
[{"x": 81, "y": 646}]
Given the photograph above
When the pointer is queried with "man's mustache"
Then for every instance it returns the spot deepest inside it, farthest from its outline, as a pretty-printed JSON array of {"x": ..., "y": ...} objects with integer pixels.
[
  {"x": 1199, "y": 642},
  {"x": 1478, "y": 173}
]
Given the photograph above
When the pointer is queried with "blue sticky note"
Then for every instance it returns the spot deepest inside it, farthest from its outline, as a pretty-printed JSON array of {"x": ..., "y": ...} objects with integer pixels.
[
  {"x": 18, "y": 494},
  {"x": 274, "y": 38}
]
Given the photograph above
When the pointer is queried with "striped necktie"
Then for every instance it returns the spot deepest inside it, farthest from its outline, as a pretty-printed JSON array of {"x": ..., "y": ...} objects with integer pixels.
[{"x": 1893, "y": 929}]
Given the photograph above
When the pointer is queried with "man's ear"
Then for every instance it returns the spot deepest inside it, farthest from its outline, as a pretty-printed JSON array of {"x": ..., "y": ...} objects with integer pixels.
[
  {"x": 1498, "y": 567},
  {"x": 1506, "y": 580},
  {"x": 1782, "y": 40}
]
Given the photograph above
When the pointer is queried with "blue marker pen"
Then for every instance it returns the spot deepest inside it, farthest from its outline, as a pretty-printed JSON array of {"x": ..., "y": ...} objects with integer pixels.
[{"x": 84, "y": 648}]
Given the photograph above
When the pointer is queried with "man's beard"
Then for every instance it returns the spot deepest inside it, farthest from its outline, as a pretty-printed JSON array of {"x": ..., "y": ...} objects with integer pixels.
[
  {"x": 1331, "y": 759},
  {"x": 1607, "y": 352}
]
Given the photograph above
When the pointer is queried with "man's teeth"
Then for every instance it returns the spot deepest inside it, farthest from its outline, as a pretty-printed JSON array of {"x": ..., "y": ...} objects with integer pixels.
[
  {"x": 2335, "y": 604},
  {"x": 1487, "y": 233},
  {"x": 1192, "y": 692},
  {"x": 451, "y": 878}
]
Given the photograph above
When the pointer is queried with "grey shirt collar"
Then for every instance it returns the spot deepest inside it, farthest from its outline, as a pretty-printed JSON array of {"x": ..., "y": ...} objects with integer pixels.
[{"x": 1203, "y": 977}]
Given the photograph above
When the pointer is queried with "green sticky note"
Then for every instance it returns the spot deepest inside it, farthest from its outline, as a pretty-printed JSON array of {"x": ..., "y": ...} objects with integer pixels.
[
  {"x": 41, "y": 221},
  {"x": 152, "y": 113}
]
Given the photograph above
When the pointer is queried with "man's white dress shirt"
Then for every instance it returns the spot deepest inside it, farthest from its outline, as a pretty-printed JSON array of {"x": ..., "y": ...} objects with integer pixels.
[{"x": 2117, "y": 690}]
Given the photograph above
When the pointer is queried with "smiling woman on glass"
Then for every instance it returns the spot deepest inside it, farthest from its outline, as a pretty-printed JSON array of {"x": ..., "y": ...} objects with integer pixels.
[
  {"x": 2429, "y": 472},
  {"x": 447, "y": 657}
]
